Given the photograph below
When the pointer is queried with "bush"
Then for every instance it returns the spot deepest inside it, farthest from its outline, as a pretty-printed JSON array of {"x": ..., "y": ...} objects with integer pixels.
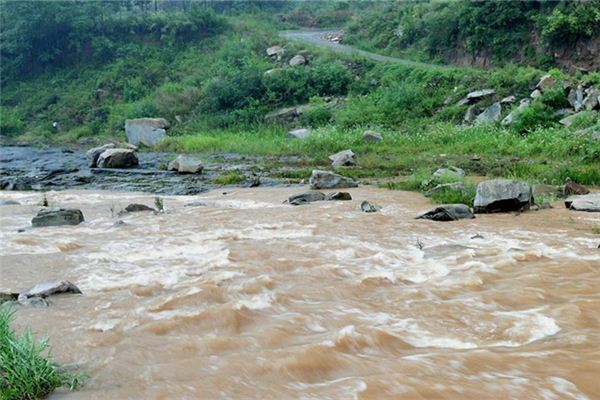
[
  {"x": 317, "y": 114},
  {"x": 11, "y": 121},
  {"x": 26, "y": 373}
]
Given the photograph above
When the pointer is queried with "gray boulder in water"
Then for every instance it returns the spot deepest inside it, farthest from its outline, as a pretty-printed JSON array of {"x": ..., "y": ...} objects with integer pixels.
[
  {"x": 117, "y": 158},
  {"x": 306, "y": 197},
  {"x": 587, "y": 202},
  {"x": 93, "y": 154},
  {"x": 448, "y": 212},
  {"x": 338, "y": 196},
  {"x": 367, "y": 207},
  {"x": 147, "y": 131},
  {"x": 49, "y": 288},
  {"x": 329, "y": 180},
  {"x": 502, "y": 195},
  {"x": 57, "y": 216},
  {"x": 185, "y": 165}
]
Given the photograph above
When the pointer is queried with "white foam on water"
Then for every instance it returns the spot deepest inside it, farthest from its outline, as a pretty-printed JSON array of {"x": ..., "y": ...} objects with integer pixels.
[{"x": 256, "y": 302}]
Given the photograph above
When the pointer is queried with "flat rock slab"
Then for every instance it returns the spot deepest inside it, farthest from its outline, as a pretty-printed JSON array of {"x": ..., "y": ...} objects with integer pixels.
[
  {"x": 587, "y": 202},
  {"x": 448, "y": 212},
  {"x": 306, "y": 197},
  {"x": 57, "y": 217},
  {"x": 49, "y": 288},
  {"x": 330, "y": 180}
]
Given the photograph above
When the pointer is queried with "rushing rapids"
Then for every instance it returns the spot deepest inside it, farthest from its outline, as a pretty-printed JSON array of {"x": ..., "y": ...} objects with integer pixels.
[{"x": 247, "y": 297}]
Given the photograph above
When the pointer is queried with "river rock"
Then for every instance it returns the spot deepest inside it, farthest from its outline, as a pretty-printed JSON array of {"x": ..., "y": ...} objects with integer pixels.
[
  {"x": 147, "y": 131},
  {"x": 306, "y": 197},
  {"x": 587, "y": 202},
  {"x": 117, "y": 158},
  {"x": 299, "y": 133},
  {"x": 329, "y": 180},
  {"x": 546, "y": 82},
  {"x": 49, "y": 288},
  {"x": 372, "y": 137},
  {"x": 490, "y": 114},
  {"x": 448, "y": 212},
  {"x": 135, "y": 207},
  {"x": 501, "y": 195},
  {"x": 344, "y": 158},
  {"x": 338, "y": 196},
  {"x": 57, "y": 216},
  {"x": 367, "y": 207},
  {"x": 185, "y": 165},
  {"x": 297, "y": 60},
  {"x": 572, "y": 188},
  {"x": 93, "y": 154}
]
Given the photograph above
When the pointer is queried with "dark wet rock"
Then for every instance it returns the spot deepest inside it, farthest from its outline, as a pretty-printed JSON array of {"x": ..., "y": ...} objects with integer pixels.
[
  {"x": 8, "y": 202},
  {"x": 477, "y": 236},
  {"x": 6, "y": 297},
  {"x": 185, "y": 165},
  {"x": 448, "y": 212},
  {"x": 299, "y": 133},
  {"x": 502, "y": 195},
  {"x": 490, "y": 115},
  {"x": 117, "y": 158},
  {"x": 329, "y": 180},
  {"x": 57, "y": 216},
  {"x": 587, "y": 202},
  {"x": 195, "y": 204},
  {"x": 372, "y": 137},
  {"x": 14, "y": 183},
  {"x": 343, "y": 196},
  {"x": 306, "y": 197},
  {"x": 93, "y": 154},
  {"x": 344, "y": 158},
  {"x": 134, "y": 207},
  {"x": 572, "y": 188},
  {"x": 367, "y": 207},
  {"x": 147, "y": 131},
  {"x": 49, "y": 288}
]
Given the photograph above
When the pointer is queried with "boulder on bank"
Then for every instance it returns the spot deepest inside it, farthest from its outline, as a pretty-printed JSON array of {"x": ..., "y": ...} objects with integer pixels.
[
  {"x": 185, "y": 165},
  {"x": 297, "y": 60},
  {"x": 343, "y": 158},
  {"x": 302, "y": 133},
  {"x": 49, "y": 288},
  {"x": 306, "y": 197},
  {"x": 117, "y": 158},
  {"x": 275, "y": 52},
  {"x": 448, "y": 212},
  {"x": 490, "y": 115},
  {"x": 502, "y": 195},
  {"x": 57, "y": 216},
  {"x": 586, "y": 202},
  {"x": 546, "y": 82},
  {"x": 475, "y": 96},
  {"x": 372, "y": 137},
  {"x": 338, "y": 196},
  {"x": 329, "y": 180},
  {"x": 93, "y": 154},
  {"x": 147, "y": 131}
]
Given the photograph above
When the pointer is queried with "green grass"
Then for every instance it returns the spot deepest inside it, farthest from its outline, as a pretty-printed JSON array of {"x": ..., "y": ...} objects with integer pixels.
[
  {"x": 26, "y": 367},
  {"x": 230, "y": 178}
]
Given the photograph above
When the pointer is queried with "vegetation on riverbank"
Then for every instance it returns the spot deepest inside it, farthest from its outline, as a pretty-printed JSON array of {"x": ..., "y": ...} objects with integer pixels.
[{"x": 27, "y": 372}]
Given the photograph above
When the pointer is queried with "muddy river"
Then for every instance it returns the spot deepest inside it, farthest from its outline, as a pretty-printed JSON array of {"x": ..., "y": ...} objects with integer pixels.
[{"x": 248, "y": 298}]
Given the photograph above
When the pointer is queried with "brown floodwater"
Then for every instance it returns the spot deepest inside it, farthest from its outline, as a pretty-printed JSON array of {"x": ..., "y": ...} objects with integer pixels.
[{"x": 249, "y": 298}]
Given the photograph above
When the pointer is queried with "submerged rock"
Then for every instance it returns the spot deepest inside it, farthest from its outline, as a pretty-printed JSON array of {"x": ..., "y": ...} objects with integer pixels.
[
  {"x": 335, "y": 196},
  {"x": 367, "y": 207},
  {"x": 185, "y": 165},
  {"x": 329, "y": 180},
  {"x": 586, "y": 202},
  {"x": 117, "y": 158},
  {"x": 147, "y": 131},
  {"x": 344, "y": 158},
  {"x": 306, "y": 197},
  {"x": 448, "y": 212},
  {"x": 57, "y": 216},
  {"x": 8, "y": 202},
  {"x": 49, "y": 288},
  {"x": 502, "y": 195}
]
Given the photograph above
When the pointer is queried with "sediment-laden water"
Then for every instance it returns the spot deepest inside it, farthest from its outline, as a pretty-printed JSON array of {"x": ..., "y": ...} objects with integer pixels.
[{"x": 249, "y": 298}]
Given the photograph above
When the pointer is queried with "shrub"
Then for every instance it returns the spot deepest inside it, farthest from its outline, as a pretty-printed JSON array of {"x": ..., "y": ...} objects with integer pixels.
[{"x": 11, "y": 121}]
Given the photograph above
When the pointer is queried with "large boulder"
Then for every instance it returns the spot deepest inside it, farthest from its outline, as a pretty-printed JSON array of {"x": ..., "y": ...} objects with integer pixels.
[
  {"x": 117, "y": 158},
  {"x": 299, "y": 133},
  {"x": 57, "y": 216},
  {"x": 49, "y": 288},
  {"x": 490, "y": 115},
  {"x": 93, "y": 154},
  {"x": 306, "y": 197},
  {"x": 185, "y": 165},
  {"x": 329, "y": 180},
  {"x": 501, "y": 195},
  {"x": 448, "y": 212},
  {"x": 147, "y": 131},
  {"x": 297, "y": 61},
  {"x": 344, "y": 158},
  {"x": 372, "y": 137},
  {"x": 587, "y": 202}
]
